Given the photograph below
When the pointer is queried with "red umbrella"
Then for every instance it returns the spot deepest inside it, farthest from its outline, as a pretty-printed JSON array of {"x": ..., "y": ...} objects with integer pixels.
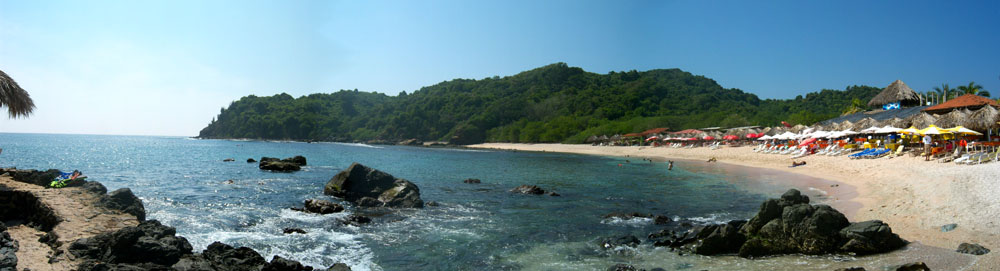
[
  {"x": 730, "y": 137},
  {"x": 807, "y": 142},
  {"x": 652, "y": 138},
  {"x": 708, "y": 138},
  {"x": 786, "y": 124},
  {"x": 691, "y": 139}
]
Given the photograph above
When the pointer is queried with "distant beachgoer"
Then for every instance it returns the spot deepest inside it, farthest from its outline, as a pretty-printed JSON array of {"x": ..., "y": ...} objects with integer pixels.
[
  {"x": 671, "y": 165},
  {"x": 795, "y": 164},
  {"x": 711, "y": 159},
  {"x": 626, "y": 161},
  {"x": 927, "y": 147},
  {"x": 230, "y": 181}
]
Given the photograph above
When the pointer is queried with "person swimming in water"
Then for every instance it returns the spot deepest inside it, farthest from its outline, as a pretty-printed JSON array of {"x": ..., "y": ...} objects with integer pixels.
[{"x": 670, "y": 166}]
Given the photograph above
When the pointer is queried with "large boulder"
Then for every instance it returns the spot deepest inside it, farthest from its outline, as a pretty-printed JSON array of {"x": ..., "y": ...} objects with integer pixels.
[
  {"x": 720, "y": 239},
  {"x": 149, "y": 242},
  {"x": 869, "y": 237},
  {"x": 223, "y": 257},
  {"x": 123, "y": 200},
  {"x": 8, "y": 248},
  {"x": 369, "y": 187},
  {"x": 974, "y": 249}
]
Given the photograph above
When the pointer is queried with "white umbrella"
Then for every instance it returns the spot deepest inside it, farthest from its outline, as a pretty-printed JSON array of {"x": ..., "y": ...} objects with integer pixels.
[
  {"x": 847, "y": 132},
  {"x": 819, "y": 134},
  {"x": 870, "y": 130},
  {"x": 887, "y": 130},
  {"x": 832, "y": 135},
  {"x": 767, "y": 137}
]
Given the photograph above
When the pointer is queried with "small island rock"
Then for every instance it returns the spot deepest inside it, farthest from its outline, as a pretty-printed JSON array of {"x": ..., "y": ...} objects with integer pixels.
[{"x": 369, "y": 187}]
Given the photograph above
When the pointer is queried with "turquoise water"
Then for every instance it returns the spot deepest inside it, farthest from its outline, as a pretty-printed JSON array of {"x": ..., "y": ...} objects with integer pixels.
[{"x": 476, "y": 226}]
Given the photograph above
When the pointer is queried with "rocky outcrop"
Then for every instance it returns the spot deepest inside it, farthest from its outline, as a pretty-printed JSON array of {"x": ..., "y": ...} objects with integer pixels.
[
  {"x": 657, "y": 219},
  {"x": 320, "y": 207},
  {"x": 149, "y": 242},
  {"x": 23, "y": 205},
  {"x": 293, "y": 230},
  {"x": 786, "y": 225},
  {"x": 251, "y": 160},
  {"x": 411, "y": 142},
  {"x": 974, "y": 249},
  {"x": 622, "y": 241},
  {"x": 914, "y": 266},
  {"x": 356, "y": 220},
  {"x": 283, "y": 165},
  {"x": 532, "y": 190},
  {"x": 123, "y": 200},
  {"x": 622, "y": 267},
  {"x": 8, "y": 250},
  {"x": 368, "y": 187},
  {"x": 39, "y": 178}
]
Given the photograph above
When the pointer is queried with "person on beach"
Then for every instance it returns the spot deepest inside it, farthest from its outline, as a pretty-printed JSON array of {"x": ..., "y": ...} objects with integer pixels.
[
  {"x": 711, "y": 159},
  {"x": 670, "y": 166},
  {"x": 795, "y": 164},
  {"x": 927, "y": 147}
]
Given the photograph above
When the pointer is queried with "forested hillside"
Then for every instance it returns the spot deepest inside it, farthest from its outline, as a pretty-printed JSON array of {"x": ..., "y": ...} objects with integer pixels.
[{"x": 554, "y": 103}]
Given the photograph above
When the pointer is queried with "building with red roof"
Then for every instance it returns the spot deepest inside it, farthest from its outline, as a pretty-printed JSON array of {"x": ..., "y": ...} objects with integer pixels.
[{"x": 968, "y": 101}]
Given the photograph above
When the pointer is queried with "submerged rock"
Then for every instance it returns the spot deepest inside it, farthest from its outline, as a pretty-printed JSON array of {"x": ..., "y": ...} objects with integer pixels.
[
  {"x": 869, "y": 237},
  {"x": 528, "y": 189},
  {"x": 622, "y": 267},
  {"x": 369, "y": 187},
  {"x": 623, "y": 241},
  {"x": 472, "y": 181},
  {"x": 251, "y": 160},
  {"x": 356, "y": 220},
  {"x": 293, "y": 230},
  {"x": 320, "y": 207},
  {"x": 949, "y": 227},
  {"x": 974, "y": 249},
  {"x": 914, "y": 266}
]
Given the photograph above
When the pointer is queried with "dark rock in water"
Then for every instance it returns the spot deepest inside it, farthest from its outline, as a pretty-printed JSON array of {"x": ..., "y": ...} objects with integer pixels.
[
  {"x": 228, "y": 160},
  {"x": 224, "y": 257},
  {"x": 850, "y": 269},
  {"x": 628, "y": 240},
  {"x": 339, "y": 267},
  {"x": 356, "y": 220},
  {"x": 869, "y": 237},
  {"x": 321, "y": 207},
  {"x": 284, "y": 165},
  {"x": 123, "y": 200},
  {"x": 8, "y": 250},
  {"x": 470, "y": 180},
  {"x": 251, "y": 160},
  {"x": 281, "y": 264},
  {"x": 149, "y": 242},
  {"x": 95, "y": 187},
  {"x": 358, "y": 182},
  {"x": 974, "y": 249},
  {"x": 528, "y": 189},
  {"x": 914, "y": 266},
  {"x": 661, "y": 220},
  {"x": 279, "y": 166},
  {"x": 786, "y": 225},
  {"x": 432, "y": 203},
  {"x": 720, "y": 239},
  {"x": 553, "y": 194},
  {"x": 621, "y": 267},
  {"x": 293, "y": 230},
  {"x": 949, "y": 227}
]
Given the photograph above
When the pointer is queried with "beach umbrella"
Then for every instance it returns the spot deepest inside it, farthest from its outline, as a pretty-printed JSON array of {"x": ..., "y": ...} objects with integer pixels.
[
  {"x": 869, "y": 130},
  {"x": 807, "y": 142},
  {"x": 652, "y": 138},
  {"x": 708, "y": 138},
  {"x": 887, "y": 130},
  {"x": 731, "y": 137},
  {"x": 766, "y": 137},
  {"x": 933, "y": 130},
  {"x": 910, "y": 131},
  {"x": 832, "y": 135},
  {"x": 820, "y": 134},
  {"x": 16, "y": 99},
  {"x": 963, "y": 130}
]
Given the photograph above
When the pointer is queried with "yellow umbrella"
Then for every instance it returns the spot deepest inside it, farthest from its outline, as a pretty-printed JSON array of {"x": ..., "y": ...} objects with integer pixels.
[
  {"x": 933, "y": 130},
  {"x": 909, "y": 131},
  {"x": 962, "y": 130}
]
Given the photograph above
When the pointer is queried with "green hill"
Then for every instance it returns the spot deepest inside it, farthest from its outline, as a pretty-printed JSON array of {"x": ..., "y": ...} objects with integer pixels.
[{"x": 554, "y": 103}]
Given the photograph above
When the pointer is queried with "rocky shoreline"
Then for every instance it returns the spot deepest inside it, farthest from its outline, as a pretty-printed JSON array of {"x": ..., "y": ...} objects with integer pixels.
[{"x": 82, "y": 227}]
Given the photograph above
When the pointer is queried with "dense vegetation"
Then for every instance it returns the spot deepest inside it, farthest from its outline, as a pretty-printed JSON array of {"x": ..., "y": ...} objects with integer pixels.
[{"x": 554, "y": 103}]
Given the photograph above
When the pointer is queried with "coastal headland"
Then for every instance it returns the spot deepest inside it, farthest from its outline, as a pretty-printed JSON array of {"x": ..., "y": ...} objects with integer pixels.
[{"x": 915, "y": 197}]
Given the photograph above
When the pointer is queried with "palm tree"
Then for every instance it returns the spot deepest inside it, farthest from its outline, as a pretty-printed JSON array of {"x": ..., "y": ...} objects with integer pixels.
[
  {"x": 945, "y": 92},
  {"x": 855, "y": 107},
  {"x": 17, "y": 101},
  {"x": 974, "y": 88}
]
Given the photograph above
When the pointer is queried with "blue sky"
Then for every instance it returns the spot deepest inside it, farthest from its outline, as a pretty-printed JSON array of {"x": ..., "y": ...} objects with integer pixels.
[{"x": 167, "y": 67}]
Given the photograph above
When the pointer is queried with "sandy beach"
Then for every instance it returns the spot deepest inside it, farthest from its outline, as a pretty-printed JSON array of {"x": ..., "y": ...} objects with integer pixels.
[{"x": 913, "y": 196}]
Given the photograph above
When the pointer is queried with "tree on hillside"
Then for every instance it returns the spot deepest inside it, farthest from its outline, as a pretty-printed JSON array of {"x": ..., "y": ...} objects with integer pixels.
[
  {"x": 12, "y": 96},
  {"x": 974, "y": 88},
  {"x": 856, "y": 106}
]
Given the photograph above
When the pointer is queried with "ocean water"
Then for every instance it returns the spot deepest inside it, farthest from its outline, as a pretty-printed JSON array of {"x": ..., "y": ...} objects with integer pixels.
[{"x": 182, "y": 183}]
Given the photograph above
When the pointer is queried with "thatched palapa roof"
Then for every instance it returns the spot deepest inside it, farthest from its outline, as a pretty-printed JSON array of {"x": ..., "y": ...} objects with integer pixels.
[
  {"x": 12, "y": 96},
  {"x": 895, "y": 92},
  {"x": 952, "y": 119},
  {"x": 864, "y": 123},
  {"x": 921, "y": 120},
  {"x": 983, "y": 119}
]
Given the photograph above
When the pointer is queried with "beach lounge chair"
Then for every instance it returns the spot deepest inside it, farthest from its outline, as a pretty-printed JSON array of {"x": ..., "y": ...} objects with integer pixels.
[{"x": 899, "y": 151}]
